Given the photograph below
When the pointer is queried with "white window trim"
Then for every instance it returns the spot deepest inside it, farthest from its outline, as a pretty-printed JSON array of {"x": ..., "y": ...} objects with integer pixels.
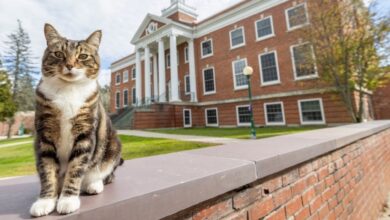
[
  {"x": 234, "y": 75},
  {"x": 133, "y": 78},
  {"x": 277, "y": 69},
  {"x": 133, "y": 101},
  {"x": 204, "y": 82},
  {"x": 205, "y": 114},
  {"x": 238, "y": 118},
  {"x": 168, "y": 61},
  {"x": 184, "y": 119},
  {"x": 266, "y": 115},
  {"x": 186, "y": 59},
  {"x": 231, "y": 39},
  {"x": 116, "y": 100},
  {"x": 315, "y": 75},
  {"x": 185, "y": 84},
  {"x": 212, "y": 48},
  {"x": 289, "y": 28},
  {"x": 123, "y": 76},
  {"x": 311, "y": 122},
  {"x": 123, "y": 98},
  {"x": 272, "y": 28},
  {"x": 116, "y": 81}
]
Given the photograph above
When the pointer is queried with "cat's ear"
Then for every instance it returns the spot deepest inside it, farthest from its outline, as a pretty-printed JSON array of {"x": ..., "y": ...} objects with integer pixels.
[
  {"x": 95, "y": 38},
  {"x": 51, "y": 34}
]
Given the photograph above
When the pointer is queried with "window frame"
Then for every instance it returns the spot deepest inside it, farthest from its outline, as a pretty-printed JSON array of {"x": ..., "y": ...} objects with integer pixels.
[
  {"x": 261, "y": 69},
  {"x": 206, "y": 121},
  {"x": 272, "y": 28},
  {"x": 243, "y": 36},
  {"x": 239, "y": 124},
  {"x": 184, "y": 118},
  {"x": 116, "y": 100},
  {"x": 168, "y": 61},
  {"x": 133, "y": 76},
  {"x": 268, "y": 123},
  {"x": 185, "y": 84},
  {"x": 234, "y": 74},
  {"x": 125, "y": 73},
  {"x": 296, "y": 77},
  {"x": 312, "y": 122},
  {"x": 289, "y": 28},
  {"x": 204, "y": 82},
  {"x": 116, "y": 79},
  {"x": 133, "y": 96},
  {"x": 123, "y": 98},
  {"x": 186, "y": 55},
  {"x": 212, "y": 48}
]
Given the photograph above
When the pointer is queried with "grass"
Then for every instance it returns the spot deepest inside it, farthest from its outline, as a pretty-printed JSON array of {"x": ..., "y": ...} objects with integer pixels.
[
  {"x": 15, "y": 140},
  {"x": 240, "y": 133},
  {"x": 19, "y": 160}
]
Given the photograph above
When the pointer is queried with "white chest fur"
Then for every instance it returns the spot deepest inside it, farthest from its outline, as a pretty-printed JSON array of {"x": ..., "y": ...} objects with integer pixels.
[{"x": 68, "y": 98}]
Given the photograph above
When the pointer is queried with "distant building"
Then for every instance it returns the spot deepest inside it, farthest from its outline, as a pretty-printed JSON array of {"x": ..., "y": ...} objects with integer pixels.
[{"x": 194, "y": 70}]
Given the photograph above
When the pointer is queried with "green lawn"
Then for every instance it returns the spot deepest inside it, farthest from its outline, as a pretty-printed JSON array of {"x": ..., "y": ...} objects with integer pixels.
[
  {"x": 15, "y": 140},
  {"x": 241, "y": 133},
  {"x": 19, "y": 160}
]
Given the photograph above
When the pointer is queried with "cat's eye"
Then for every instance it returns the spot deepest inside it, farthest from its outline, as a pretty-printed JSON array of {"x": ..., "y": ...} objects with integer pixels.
[
  {"x": 59, "y": 54},
  {"x": 83, "y": 56}
]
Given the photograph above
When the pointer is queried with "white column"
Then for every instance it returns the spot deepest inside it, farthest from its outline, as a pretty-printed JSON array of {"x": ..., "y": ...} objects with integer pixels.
[
  {"x": 138, "y": 78},
  {"x": 174, "y": 70},
  {"x": 147, "y": 76},
  {"x": 161, "y": 71},
  {"x": 155, "y": 79},
  {"x": 191, "y": 57}
]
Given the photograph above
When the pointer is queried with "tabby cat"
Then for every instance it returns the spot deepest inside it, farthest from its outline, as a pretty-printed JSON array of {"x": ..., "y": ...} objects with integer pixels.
[{"x": 76, "y": 148}]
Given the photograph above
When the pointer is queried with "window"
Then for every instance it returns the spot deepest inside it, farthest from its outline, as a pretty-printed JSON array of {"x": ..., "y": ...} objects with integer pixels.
[
  {"x": 269, "y": 70},
  {"x": 209, "y": 81},
  {"x": 125, "y": 76},
  {"x": 133, "y": 74},
  {"x": 211, "y": 117},
  {"x": 125, "y": 98},
  {"x": 168, "y": 60},
  {"x": 133, "y": 96},
  {"x": 117, "y": 100},
  {"x": 186, "y": 54},
  {"x": 118, "y": 79},
  {"x": 240, "y": 80},
  {"x": 264, "y": 28},
  {"x": 187, "y": 84},
  {"x": 303, "y": 61},
  {"x": 311, "y": 111},
  {"x": 237, "y": 38},
  {"x": 274, "y": 113},
  {"x": 207, "y": 48},
  {"x": 187, "y": 119},
  {"x": 243, "y": 115},
  {"x": 297, "y": 16}
]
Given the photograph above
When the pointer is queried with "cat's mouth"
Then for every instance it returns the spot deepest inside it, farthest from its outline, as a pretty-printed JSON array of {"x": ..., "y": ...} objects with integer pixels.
[{"x": 72, "y": 75}]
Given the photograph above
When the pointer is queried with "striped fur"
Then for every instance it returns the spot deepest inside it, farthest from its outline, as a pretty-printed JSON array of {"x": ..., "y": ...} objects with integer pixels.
[{"x": 76, "y": 147}]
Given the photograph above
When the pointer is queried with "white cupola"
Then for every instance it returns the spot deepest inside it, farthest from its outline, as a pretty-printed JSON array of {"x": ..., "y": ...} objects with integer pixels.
[{"x": 180, "y": 11}]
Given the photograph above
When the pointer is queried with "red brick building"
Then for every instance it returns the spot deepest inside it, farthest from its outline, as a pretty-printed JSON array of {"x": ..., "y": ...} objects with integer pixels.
[{"x": 194, "y": 70}]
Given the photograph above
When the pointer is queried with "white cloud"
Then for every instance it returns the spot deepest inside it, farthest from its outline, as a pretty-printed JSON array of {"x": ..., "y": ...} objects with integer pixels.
[{"x": 76, "y": 19}]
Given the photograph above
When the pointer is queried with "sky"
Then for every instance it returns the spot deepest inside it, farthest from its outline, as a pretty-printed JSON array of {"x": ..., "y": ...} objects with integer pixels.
[{"x": 77, "y": 19}]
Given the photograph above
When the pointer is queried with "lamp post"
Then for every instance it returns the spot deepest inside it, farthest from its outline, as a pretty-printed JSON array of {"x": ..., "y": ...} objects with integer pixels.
[{"x": 248, "y": 71}]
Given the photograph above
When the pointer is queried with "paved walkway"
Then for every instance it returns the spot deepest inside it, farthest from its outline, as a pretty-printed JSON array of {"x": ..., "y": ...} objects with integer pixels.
[
  {"x": 216, "y": 140},
  {"x": 14, "y": 144}
]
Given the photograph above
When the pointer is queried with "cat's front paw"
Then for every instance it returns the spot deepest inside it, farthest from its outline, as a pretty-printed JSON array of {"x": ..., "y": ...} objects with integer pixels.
[
  {"x": 95, "y": 188},
  {"x": 68, "y": 204},
  {"x": 43, "y": 207}
]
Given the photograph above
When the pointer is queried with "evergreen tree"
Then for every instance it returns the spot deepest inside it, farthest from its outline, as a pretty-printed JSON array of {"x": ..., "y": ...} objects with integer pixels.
[{"x": 7, "y": 106}]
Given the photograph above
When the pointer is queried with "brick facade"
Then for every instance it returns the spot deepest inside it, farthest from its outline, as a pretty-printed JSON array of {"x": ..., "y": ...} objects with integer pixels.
[
  {"x": 381, "y": 102},
  {"x": 349, "y": 183}
]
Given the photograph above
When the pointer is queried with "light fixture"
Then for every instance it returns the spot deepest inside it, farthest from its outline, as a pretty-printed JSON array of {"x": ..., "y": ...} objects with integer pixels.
[{"x": 248, "y": 71}]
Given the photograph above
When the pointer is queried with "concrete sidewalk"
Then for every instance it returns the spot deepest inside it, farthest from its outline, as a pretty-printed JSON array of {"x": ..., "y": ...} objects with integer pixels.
[{"x": 215, "y": 140}]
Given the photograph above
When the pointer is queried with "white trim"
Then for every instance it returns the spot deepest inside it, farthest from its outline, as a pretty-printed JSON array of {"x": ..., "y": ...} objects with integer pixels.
[
  {"x": 289, "y": 28},
  {"x": 234, "y": 74},
  {"x": 116, "y": 100},
  {"x": 205, "y": 114},
  {"x": 185, "y": 84},
  {"x": 186, "y": 57},
  {"x": 184, "y": 118},
  {"x": 313, "y": 76},
  {"x": 204, "y": 82},
  {"x": 277, "y": 69},
  {"x": 212, "y": 48},
  {"x": 266, "y": 114},
  {"x": 123, "y": 98},
  {"x": 133, "y": 91},
  {"x": 167, "y": 61},
  {"x": 312, "y": 122},
  {"x": 238, "y": 118},
  {"x": 133, "y": 70},
  {"x": 116, "y": 78},
  {"x": 126, "y": 72},
  {"x": 243, "y": 36},
  {"x": 272, "y": 28}
]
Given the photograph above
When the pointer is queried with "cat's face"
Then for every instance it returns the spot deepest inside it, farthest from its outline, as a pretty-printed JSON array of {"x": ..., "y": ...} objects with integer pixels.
[{"x": 68, "y": 60}]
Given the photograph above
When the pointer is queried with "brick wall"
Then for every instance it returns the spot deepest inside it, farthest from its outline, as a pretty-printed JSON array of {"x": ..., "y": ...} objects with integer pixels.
[
  {"x": 381, "y": 102},
  {"x": 349, "y": 183}
]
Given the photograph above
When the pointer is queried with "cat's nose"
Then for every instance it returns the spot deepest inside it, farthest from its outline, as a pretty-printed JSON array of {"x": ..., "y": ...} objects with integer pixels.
[{"x": 69, "y": 67}]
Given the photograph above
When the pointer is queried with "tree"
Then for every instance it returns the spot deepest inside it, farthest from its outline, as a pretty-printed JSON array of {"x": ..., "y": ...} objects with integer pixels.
[
  {"x": 7, "y": 106},
  {"x": 105, "y": 92},
  {"x": 349, "y": 43}
]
